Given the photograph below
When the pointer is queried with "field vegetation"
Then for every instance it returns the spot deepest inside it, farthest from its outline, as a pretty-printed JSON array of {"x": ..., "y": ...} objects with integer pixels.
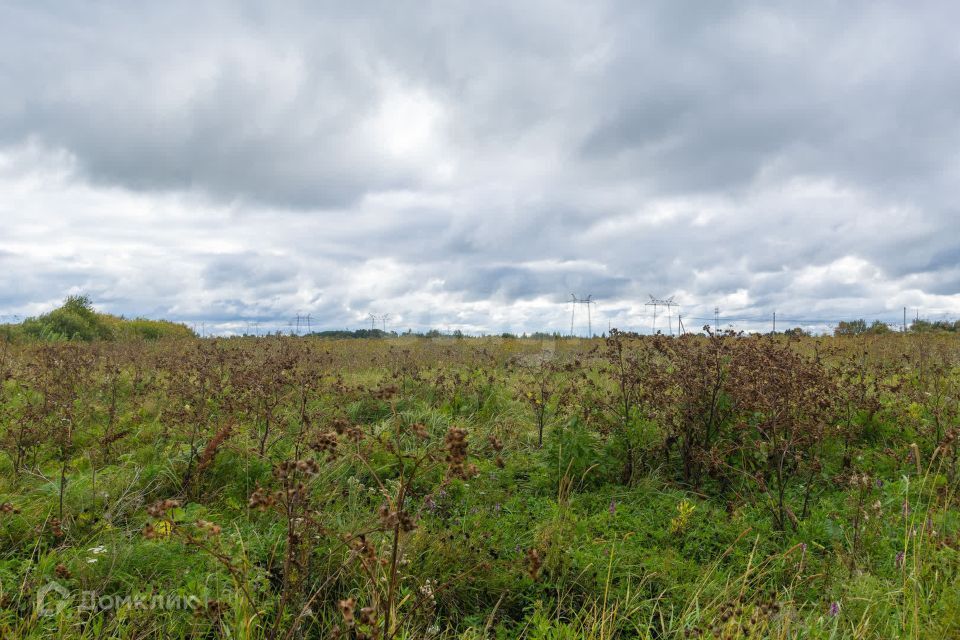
[{"x": 706, "y": 486}]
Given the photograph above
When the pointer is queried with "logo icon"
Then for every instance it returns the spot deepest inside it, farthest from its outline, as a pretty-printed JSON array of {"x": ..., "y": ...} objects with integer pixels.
[{"x": 52, "y": 598}]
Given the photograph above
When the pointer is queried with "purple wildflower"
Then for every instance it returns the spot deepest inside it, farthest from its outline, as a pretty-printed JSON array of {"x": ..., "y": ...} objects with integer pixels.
[
  {"x": 898, "y": 560},
  {"x": 834, "y": 609},
  {"x": 613, "y": 507}
]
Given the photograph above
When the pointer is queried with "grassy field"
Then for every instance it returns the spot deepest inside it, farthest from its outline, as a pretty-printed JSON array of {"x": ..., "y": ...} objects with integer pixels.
[{"x": 712, "y": 486}]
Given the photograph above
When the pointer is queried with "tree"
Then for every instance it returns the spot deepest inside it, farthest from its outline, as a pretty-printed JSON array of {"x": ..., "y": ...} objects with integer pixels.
[
  {"x": 925, "y": 326},
  {"x": 851, "y": 328},
  {"x": 74, "y": 320},
  {"x": 879, "y": 327}
]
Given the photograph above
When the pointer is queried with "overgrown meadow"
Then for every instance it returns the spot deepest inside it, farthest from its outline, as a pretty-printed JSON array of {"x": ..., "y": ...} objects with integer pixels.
[{"x": 707, "y": 486}]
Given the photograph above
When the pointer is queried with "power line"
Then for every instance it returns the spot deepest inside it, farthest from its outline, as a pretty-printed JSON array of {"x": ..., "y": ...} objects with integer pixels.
[{"x": 747, "y": 321}]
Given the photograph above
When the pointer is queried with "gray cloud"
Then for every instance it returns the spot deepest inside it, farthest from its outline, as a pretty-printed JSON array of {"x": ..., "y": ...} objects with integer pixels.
[
  {"x": 248, "y": 269},
  {"x": 472, "y": 164}
]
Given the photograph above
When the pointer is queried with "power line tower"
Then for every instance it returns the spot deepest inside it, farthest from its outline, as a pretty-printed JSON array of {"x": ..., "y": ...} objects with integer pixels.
[
  {"x": 662, "y": 302},
  {"x": 716, "y": 319},
  {"x": 382, "y": 319},
  {"x": 574, "y": 301}
]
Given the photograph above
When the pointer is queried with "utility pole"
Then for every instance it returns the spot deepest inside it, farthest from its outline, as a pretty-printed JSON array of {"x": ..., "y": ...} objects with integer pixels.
[
  {"x": 309, "y": 331},
  {"x": 298, "y": 324},
  {"x": 589, "y": 321},
  {"x": 573, "y": 311},
  {"x": 384, "y": 319},
  {"x": 904, "y": 319},
  {"x": 680, "y": 324},
  {"x": 774, "y": 321}
]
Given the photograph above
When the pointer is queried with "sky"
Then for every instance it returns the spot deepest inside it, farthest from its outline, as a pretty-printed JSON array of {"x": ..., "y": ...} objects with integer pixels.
[{"x": 470, "y": 165}]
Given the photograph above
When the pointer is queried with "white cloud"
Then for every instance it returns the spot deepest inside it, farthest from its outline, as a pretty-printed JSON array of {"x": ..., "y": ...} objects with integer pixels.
[{"x": 473, "y": 164}]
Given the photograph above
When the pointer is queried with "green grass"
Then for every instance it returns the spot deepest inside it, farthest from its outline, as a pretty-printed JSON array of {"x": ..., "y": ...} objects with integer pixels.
[{"x": 618, "y": 560}]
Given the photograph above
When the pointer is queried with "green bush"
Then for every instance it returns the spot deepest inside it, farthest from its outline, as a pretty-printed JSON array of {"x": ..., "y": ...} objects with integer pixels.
[{"x": 77, "y": 320}]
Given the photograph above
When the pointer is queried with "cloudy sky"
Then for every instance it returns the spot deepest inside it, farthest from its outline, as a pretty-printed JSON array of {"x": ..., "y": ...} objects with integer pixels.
[{"x": 470, "y": 164}]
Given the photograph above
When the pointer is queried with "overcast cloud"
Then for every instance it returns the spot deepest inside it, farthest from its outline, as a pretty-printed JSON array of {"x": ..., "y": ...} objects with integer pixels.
[{"x": 470, "y": 164}]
